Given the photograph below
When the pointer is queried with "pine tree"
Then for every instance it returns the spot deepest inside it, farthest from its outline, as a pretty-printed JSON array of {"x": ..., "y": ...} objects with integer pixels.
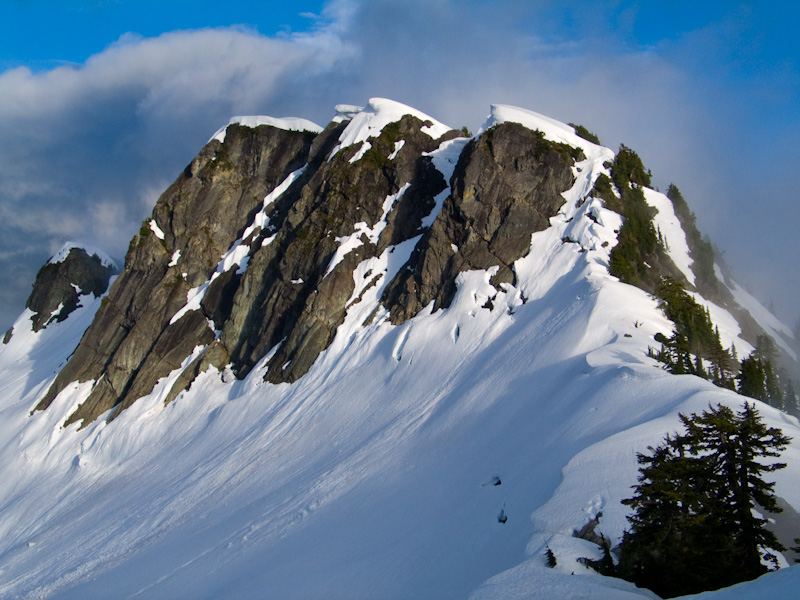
[
  {"x": 551, "y": 558},
  {"x": 667, "y": 531},
  {"x": 765, "y": 348},
  {"x": 734, "y": 443},
  {"x": 791, "y": 404},
  {"x": 752, "y": 379},
  {"x": 693, "y": 527},
  {"x": 699, "y": 369},
  {"x": 766, "y": 353},
  {"x": 721, "y": 361},
  {"x": 694, "y": 335},
  {"x": 774, "y": 387}
]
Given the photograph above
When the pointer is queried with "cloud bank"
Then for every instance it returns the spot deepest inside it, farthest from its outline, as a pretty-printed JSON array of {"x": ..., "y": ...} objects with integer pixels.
[{"x": 86, "y": 150}]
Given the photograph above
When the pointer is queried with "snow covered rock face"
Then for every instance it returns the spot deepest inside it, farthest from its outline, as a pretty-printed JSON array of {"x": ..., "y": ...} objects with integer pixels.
[
  {"x": 279, "y": 201},
  {"x": 415, "y": 461},
  {"x": 132, "y": 342},
  {"x": 286, "y": 281},
  {"x": 293, "y": 215},
  {"x": 348, "y": 209},
  {"x": 60, "y": 283},
  {"x": 506, "y": 186}
]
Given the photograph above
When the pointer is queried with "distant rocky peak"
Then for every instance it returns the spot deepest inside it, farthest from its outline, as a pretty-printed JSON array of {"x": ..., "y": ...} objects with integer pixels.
[
  {"x": 92, "y": 251},
  {"x": 285, "y": 123},
  {"x": 74, "y": 271}
]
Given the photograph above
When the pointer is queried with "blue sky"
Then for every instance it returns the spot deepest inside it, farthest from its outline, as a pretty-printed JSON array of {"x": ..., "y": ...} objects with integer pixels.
[
  {"x": 43, "y": 34},
  {"x": 102, "y": 103}
]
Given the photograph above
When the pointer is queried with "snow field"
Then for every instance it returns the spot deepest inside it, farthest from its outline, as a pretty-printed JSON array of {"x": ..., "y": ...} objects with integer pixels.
[{"x": 668, "y": 224}]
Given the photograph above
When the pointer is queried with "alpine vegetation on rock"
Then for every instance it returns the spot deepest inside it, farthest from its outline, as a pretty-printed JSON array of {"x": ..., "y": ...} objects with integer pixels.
[{"x": 381, "y": 359}]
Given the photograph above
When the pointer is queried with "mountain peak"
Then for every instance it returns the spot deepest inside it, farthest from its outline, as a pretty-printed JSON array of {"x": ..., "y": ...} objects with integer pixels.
[
  {"x": 375, "y": 323},
  {"x": 74, "y": 271},
  {"x": 553, "y": 130},
  {"x": 90, "y": 250},
  {"x": 285, "y": 123},
  {"x": 369, "y": 121}
]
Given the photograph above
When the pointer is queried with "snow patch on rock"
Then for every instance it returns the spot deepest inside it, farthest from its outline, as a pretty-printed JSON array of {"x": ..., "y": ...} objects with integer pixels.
[
  {"x": 64, "y": 251},
  {"x": 377, "y": 114},
  {"x": 285, "y": 123}
]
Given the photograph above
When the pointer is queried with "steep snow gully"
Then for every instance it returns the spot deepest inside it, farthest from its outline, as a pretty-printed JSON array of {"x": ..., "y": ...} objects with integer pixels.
[{"x": 437, "y": 458}]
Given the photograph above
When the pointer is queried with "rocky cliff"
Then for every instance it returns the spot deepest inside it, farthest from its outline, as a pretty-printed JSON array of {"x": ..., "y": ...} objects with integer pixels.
[
  {"x": 252, "y": 250},
  {"x": 256, "y": 254},
  {"x": 73, "y": 272}
]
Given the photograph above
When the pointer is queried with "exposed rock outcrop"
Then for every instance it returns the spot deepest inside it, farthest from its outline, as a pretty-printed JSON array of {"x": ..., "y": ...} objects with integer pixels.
[
  {"x": 194, "y": 221},
  {"x": 252, "y": 250},
  {"x": 506, "y": 186},
  {"x": 288, "y": 292},
  {"x": 60, "y": 284}
]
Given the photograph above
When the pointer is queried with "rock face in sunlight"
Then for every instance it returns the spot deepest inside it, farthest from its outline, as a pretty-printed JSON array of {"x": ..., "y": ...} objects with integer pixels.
[
  {"x": 506, "y": 186},
  {"x": 133, "y": 341},
  {"x": 286, "y": 277}
]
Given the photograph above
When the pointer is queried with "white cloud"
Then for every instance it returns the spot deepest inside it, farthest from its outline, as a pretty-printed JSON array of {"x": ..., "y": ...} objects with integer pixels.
[{"x": 82, "y": 148}]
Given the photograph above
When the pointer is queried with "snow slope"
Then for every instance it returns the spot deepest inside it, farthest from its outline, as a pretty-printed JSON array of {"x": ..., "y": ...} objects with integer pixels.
[
  {"x": 435, "y": 459},
  {"x": 776, "y": 330}
]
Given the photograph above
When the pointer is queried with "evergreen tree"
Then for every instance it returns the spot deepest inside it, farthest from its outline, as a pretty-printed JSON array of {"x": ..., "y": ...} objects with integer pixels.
[
  {"x": 699, "y": 369},
  {"x": 774, "y": 387},
  {"x": 693, "y": 527},
  {"x": 628, "y": 168},
  {"x": 733, "y": 443},
  {"x": 637, "y": 239},
  {"x": 668, "y": 530},
  {"x": 701, "y": 250},
  {"x": 765, "y": 348},
  {"x": 695, "y": 337},
  {"x": 721, "y": 361},
  {"x": 752, "y": 379},
  {"x": 758, "y": 378},
  {"x": 766, "y": 353},
  {"x": 791, "y": 404},
  {"x": 551, "y": 558}
]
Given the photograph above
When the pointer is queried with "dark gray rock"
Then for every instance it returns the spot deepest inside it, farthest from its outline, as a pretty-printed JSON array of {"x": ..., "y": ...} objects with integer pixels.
[
  {"x": 58, "y": 286},
  {"x": 200, "y": 214},
  {"x": 506, "y": 186},
  {"x": 269, "y": 308}
]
